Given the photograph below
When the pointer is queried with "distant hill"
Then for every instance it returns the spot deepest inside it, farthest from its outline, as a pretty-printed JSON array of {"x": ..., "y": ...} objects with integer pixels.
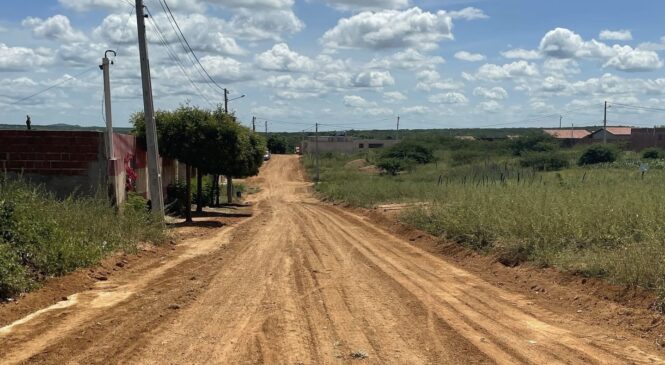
[{"x": 63, "y": 127}]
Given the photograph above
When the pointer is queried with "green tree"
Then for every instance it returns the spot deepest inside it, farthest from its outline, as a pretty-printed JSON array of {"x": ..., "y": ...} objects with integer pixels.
[
  {"x": 242, "y": 151},
  {"x": 183, "y": 135},
  {"x": 277, "y": 144},
  {"x": 408, "y": 150}
]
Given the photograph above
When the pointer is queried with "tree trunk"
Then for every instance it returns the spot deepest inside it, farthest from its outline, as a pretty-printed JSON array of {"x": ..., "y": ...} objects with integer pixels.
[
  {"x": 229, "y": 189},
  {"x": 188, "y": 198},
  {"x": 199, "y": 191},
  {"x": 217, "y": 190}
]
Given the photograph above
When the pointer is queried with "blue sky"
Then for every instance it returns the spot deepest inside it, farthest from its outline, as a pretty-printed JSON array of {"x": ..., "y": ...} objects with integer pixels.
[{"x": 348, "y": 64}]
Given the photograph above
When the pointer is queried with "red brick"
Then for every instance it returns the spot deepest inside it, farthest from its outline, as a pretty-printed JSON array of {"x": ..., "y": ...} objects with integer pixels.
[{"x": 69, "y": 165}]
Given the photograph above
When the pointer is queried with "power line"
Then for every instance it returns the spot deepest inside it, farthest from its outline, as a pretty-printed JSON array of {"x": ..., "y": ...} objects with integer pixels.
[
  {"x": 629, "y": 106},
  {"x": 59, "y": 83},
  {"x": 174, "y": 57},
  {"x": 188, "y": 46}
]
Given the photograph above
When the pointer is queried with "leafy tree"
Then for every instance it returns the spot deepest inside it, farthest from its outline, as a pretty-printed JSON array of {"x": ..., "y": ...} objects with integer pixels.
[
  {"x": 599, "y": 153},
  {"x": 277, "y": 144},
  {"x": 408, "y": 150},
  {"x": 241, "y": 149},
  {"x": 182, "y": 135},
  {"x": 392, "y": 166}
]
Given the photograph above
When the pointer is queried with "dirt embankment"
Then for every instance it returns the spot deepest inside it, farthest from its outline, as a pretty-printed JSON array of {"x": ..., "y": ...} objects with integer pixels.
[{"x": 303, "y": 282}]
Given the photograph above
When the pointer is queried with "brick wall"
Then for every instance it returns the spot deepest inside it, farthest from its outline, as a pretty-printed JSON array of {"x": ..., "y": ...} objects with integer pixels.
[{"x": 50, "y": 152}]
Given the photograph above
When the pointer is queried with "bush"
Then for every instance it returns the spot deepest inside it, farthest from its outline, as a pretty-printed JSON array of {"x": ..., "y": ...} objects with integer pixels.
[
  {"x": 545, "y": 161},
  {"x": 599, "y": 153},
  {"x": 410, "y": 151},
  {"x": 41, "y": 236},
  {"x": 653, "y": 153},
  {"x": 465, "y": 157},
  {"x": 392, "y": 166},
  {"x": 533, "y": 143}
]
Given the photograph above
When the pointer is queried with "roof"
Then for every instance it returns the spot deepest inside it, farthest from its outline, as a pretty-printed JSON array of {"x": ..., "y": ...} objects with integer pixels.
[
  {"x": 568, "y": 133},
  {"x": 618, "y": 131}
]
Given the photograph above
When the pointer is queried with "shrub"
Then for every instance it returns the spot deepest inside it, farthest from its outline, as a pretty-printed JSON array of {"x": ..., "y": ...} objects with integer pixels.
[
  {"x": 533, "y": 143},
  {"x": 410, "y": 151},
  {"x": 465, "y": 157},
  {"x": 41, "y": 236},
  {"x": 392, "y": 166},
  {"x": 598, "y": 153},
  {"x": 653, "y": 153},
  {"x": 545, "y": 161}
]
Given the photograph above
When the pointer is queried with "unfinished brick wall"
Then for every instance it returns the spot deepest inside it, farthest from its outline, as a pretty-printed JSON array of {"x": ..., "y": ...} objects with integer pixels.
[{"x": 50, "y": 152}]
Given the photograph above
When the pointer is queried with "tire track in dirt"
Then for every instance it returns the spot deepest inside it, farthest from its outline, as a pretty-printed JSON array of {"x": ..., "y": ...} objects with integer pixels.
[{"x": 307, "y": 283}]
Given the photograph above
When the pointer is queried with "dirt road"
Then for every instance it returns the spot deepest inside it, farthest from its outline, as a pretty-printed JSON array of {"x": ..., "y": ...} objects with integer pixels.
[{"x": 302, "y": 282}]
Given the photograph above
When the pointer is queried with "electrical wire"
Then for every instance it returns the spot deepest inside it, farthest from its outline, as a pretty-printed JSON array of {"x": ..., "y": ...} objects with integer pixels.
[
  {"x": 174, "y": 57},
  {"x": 188, "y": 45},
  {"x": 629, "y": 106},
  {"x": 59, "y": 83}
]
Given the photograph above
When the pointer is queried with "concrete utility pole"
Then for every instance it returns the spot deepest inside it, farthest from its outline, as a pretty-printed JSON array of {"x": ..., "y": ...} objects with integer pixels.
[
  {"x": 397, "y": 130},
  {"x": 154, "y": 173},
  {"x": 254, "y": 124},
  {"x": 105, "y": 67},
  {"x": 226, "y": 101},
  {"x": 266, "y": 126},
  {"x": 560, "y": 119},
  {"x": 316, "y": 147},
  {"x": 110, "y": 154},
  {"x": 605, "y": 125}
]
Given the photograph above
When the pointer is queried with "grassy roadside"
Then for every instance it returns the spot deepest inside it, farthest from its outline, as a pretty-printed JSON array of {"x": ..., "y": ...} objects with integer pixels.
[
  {"x": 41, "y": 236},
  {"x": 603, "y": 221}
]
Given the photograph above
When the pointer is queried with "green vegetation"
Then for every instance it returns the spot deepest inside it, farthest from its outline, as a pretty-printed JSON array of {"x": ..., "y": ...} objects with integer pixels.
[
  {"x": 213, "y": 142},
  {"x": 41, "y": 236},
  {"x": 653, "y": 153},
  {"x": 277, "y": 144},
  {"x": 599, "y": 153},
  {"x": 504, "y": 198}
]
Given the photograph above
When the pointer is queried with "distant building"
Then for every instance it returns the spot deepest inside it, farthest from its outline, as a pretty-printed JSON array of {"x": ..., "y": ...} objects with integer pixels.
[
  {"x": 641, "y": 138},
  {"x": 568, "y": 134},
  {"x": 344, "y": 144},
  {"x": 612, "y": 133},
  {"x": 466, "y": 138}
]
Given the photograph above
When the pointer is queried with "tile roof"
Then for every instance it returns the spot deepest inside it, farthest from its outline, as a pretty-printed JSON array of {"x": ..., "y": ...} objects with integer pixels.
[{"x": 568, "y": 133}]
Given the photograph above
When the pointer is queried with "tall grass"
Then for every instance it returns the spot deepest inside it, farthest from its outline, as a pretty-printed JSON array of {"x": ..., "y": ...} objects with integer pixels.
[
  {"x": 41, "y": 236},
  {"x": 600, "y": 222}
]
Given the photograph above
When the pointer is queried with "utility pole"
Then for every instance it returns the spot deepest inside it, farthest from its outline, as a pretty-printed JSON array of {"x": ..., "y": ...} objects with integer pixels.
[
  {"x": 605, "y": 125},
  {"x": 266, "y": 126},
  {"x": 105, "y": 67},
  {"x": 572, "y": 131},
  {"x": 154, "y": 173},
  {"x": 560, "y": 119},
  {"x": 254, "y": 124},
  {"x": 397, "y": 130},
  {"x": 226, "y": 101},
  {"x": 316, "y": 147}
]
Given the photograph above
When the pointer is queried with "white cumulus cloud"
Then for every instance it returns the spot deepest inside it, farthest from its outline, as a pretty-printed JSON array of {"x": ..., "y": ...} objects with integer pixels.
[
  {"x": 387, "y": 29},
  {"x": 616, "y": 35},
  {"x": 470, "y": 57}
]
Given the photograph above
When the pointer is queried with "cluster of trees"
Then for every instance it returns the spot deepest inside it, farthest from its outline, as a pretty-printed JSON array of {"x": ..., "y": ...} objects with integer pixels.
[
  {"x": 404, "y": 155},
  {"x": 211, "y": 141}
]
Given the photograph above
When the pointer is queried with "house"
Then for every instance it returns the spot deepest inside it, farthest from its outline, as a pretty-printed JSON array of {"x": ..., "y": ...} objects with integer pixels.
[
  {"x": 68, "y": 162},
  {"x": 612, "y": 133},
  {"x": 568, "y": 134},
  {"x": 343, "y": 144}
]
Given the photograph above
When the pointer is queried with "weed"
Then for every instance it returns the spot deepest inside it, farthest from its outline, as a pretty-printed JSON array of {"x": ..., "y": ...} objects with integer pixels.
[{"x": 41, "y": 236}]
